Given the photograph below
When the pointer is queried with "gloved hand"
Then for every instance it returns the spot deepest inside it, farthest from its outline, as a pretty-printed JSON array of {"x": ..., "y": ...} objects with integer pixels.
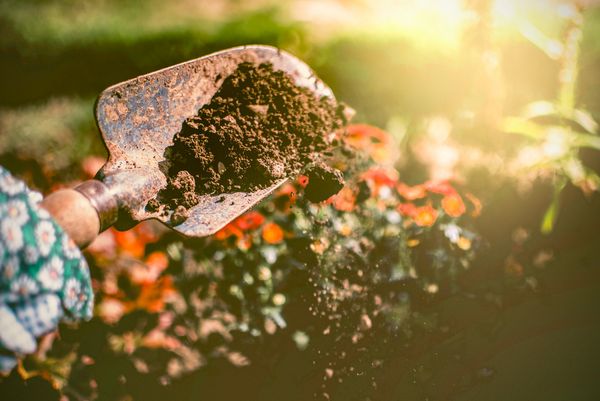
[{"x": 43, "y": 276}]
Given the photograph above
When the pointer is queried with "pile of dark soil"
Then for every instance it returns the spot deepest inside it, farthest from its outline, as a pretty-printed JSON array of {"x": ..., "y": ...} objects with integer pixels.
[{"x": 258, "y": 128}]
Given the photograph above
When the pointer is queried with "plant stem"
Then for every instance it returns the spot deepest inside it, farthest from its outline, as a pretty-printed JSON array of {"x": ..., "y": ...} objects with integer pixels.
[{"x": 569, "y": 64}]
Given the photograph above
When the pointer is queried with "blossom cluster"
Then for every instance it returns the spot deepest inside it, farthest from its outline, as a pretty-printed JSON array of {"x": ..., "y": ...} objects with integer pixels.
[{"x": 307, "y": 271}]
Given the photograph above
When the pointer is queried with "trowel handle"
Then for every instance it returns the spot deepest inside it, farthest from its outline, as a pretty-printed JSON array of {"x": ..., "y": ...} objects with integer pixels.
[{"x": 84, "y": 211}]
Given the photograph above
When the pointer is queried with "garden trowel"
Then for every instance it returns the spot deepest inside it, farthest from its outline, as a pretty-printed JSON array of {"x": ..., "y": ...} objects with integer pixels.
[{"x": 138, "y": 119}]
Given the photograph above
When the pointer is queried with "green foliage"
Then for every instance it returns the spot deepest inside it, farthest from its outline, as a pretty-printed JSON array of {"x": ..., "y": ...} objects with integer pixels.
[
  {"x": 57, "y": 134},
  {"x": 559, "y": 128}
]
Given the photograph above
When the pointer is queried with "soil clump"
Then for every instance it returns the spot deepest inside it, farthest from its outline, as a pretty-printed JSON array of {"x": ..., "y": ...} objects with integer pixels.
[
  {"x": 323, "y": 181},
  {"x": 258, "y": 128}
]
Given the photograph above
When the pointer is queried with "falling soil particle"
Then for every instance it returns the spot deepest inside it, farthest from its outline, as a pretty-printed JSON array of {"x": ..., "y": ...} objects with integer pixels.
[
  {"x": 323, "y": 181},
  {"x": 258, "y": 128}
]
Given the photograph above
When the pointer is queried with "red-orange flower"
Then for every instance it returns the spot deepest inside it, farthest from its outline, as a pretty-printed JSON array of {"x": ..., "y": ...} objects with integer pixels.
[
  {"x": 153, "y": 296},
  {"x": 453, "y": 205},
  {"x": 425, "y": 216},
  {"x": 130, "y": 243},
  {"x": 406, "y": 209},
  {"x": 147, "y": 231},
  {"x": 147, "y": 273},
  {"x": 246, "y": 222},
  {"x": 344, "y": 201},
  {"x": 440, "y": 187},
  {"x": 272, "y": 233},
  {"x": 477, "y": 206},
  {"x": 287, "y": 189},
  {"x": 250, "y": 221},
  {"x": 244, "y": 242},
  {"x": 411, "y": 193},
  {"x": 362, "y": 135},
  {"x": 378, "y": 177},
  {"x": 376, "y": 142},
  {"x": 133, "y": 242},
  {"x": 104, "y": 246},
  {"x": 286, "y": 197},
  {"x": 227, "y": 231},
  {"x": 157, "y": 261},
  {"x": 302, "y": 181}
]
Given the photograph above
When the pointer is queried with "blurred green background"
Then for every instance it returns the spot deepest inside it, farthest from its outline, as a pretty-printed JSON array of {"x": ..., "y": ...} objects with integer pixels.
[{"x": 390, "y": 60}]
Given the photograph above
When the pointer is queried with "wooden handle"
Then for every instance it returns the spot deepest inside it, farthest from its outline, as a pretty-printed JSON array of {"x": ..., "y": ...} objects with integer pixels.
[
  {"x": 75, "y": 214},
  {"x": 83, "y": 212}
]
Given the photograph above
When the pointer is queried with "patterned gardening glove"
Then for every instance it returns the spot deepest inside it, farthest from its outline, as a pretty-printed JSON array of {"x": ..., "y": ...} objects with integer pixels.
[{"x": 43, "y": 276}]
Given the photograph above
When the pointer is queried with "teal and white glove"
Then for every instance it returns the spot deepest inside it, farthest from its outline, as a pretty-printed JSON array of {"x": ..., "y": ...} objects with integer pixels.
[{"x": 44, "y": 278}]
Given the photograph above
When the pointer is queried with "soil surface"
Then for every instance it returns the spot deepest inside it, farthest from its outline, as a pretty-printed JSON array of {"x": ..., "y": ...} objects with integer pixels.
[{"x": 258, "y": 128}]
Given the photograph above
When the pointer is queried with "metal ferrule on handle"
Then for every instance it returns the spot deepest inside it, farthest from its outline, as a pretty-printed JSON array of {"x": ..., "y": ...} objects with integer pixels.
[{"x": 102, "y": 200}]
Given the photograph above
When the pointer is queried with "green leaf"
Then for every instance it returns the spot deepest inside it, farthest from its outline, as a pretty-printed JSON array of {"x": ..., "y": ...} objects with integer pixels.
[
  {"x": 585, "y": 120},
  {"x": 552, "y": 47},
  {"x": 586, "y": 140},
  {"x": 552, "y": 212},
  {"x": 524, "y": 127},
  {"x": 574, "y": 169},
  {"x": 540, "y": 108}
]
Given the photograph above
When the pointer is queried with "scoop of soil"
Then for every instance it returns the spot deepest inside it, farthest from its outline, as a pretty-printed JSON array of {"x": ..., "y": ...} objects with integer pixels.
[{"x": 258, "y": 128}]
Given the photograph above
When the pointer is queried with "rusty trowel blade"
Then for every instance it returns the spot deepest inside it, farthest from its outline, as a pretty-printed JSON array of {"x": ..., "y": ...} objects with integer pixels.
[{"x": 139, "y": 118}]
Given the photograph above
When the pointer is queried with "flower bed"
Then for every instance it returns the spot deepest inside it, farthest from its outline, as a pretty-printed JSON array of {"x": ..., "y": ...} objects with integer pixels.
[{"x": 335, "y": 279}]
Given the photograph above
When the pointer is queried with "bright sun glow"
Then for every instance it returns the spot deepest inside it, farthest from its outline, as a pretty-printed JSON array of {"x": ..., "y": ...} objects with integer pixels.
[{"x": 435, "y": 22}]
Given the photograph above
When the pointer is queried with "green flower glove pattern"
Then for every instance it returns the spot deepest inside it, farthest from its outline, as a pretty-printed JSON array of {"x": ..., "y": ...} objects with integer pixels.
[{"x": 43, "y": 275}]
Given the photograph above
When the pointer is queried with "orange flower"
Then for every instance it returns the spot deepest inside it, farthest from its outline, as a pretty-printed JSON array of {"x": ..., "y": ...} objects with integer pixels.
[
  {"x": 302, "y": 181},
  {"x": 411, "y": 193},
  {"x": 477, "y": 206},
  {"x": 381, "y": 176},
  {"x": 464, "y": 243},
  {"x": 376, "y": 142},
  {"x": 344, "y": 200},
  {"x": 440, "y": 187},
  {"x": 272, "y": 233},
  {"x": 286, "y": 197},
  {"x": 157, "y": 261},
  {"x": 227, "y": 231},
  {"x": 244, "y": 242},
  {"x": 364, "y": 135},
  {"x": 147, "y": 231},
  {"x": 250, "y": 221},
  {"x": 425, "y": 216},
  {"x": 223, "y": 233},
  {"x": 411, "y": 243},
  {"x": 104, "y": 246},
  {"x": 287, "y": 189},
  {"x": 133, "y": 242},
  {"x": 153, "y": 296},
  {"x": 453, "y": 205},
  {"x": 246, "y": 222},
  {"x": 128, "y": 242},
  {"x": 378, "y": 177},
  {"x": 406, "y": 209}
]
